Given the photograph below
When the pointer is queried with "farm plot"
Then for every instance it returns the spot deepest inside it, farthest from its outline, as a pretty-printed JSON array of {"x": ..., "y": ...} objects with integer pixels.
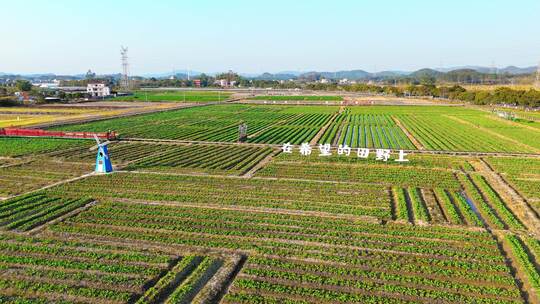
[
  {"x": 314, "y": 197},
  {"x": 523, "y": 174},
  {"x": 217, "y": 124},
  {"x": 366, "y": 130},
  {"x": 61, "y": 113},
  {"x": 355, "y": 170},
  {"x": 524, "y": 135},
  {"x": 299, "y": 129},
  {"x": 436, "y": 206},
  {"x": 26, "y": 212},
  {"x": 39, "y": 270},
  {"x": 27, "y": 176},
  {"x": 526, "y": 252},
  {"x": 175, "y": 158},
  {"x": 176, "y": 96},
  {"x": 311, "y": 258},
  {"x": 438, "y": 133},
  {"x": 297, "y": 98},
  {"x": 120, "y": 152},
  {"x": 15, "y": 147},
  {"x": 441, "y": 133},
  {"x": 425, "y": 190},
  {"x": 232, "y": 159},
  {"x": 433, "y": 127}
]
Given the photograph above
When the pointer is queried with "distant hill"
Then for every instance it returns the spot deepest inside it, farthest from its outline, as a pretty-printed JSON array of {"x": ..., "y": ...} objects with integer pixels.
[
  {"x": 513, "y": 70},
  {"x": 389, "y": 74},
  {"x": 426, "y": 73},
  {"x": 353, "y": 75},
  {"x": 278, "y": 76},
  {"x": 178, "y": 74},
  {"x": 464, "y": 72}
]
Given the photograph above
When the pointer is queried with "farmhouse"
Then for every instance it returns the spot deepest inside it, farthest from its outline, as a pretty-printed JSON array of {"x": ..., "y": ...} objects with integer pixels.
[{"x": 98, "y": 90}]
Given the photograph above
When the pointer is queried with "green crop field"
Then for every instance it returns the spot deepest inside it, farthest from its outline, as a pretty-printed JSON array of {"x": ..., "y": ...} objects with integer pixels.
[
  {"x": 366, "y": 130},
  {"x": 192, "y": 215},
  {"x": 412, "y": 127},
  {"x": 523, "y": 174},
  {"x": 275, "y": 124},
  {"x": 12, "y": 147},
  {"x": 176, "y": 96},
  {"x": 297, "y": 98}
]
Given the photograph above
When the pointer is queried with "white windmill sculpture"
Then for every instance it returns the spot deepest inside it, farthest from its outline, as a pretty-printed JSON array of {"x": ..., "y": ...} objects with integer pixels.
[{"x": 103, "y": 161}]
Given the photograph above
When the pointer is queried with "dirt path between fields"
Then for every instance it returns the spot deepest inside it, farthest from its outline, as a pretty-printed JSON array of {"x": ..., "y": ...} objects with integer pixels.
[
  {"x": 321, "y": 132},
  {"x": 413, "y": 139},
  {"x": 261, "y": 164},
  {"x": 527, "y": 291},
  {"x": 252, "y": 209},
  {"x": 513, "y": 124},
  {"x": 513, "y": 200}
]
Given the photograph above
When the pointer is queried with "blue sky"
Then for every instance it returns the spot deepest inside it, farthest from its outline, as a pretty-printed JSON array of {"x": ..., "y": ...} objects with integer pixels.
[{"x": 71, "y": 36}]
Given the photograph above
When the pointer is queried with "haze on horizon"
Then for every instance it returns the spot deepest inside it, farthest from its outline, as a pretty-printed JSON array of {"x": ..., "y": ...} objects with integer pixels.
[{"x": 70, "y": 37}]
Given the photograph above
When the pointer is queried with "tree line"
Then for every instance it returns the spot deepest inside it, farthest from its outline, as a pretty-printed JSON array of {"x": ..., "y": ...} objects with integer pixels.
[{"x": 500, "y": 96}]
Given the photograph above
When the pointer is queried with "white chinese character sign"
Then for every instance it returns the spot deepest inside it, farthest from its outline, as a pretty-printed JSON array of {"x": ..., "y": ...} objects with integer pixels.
[
  {"x": 384, "y": 155},
  {"x": 305, "y": 149},
  {"x": 287, "y": 148},
  {"x": 325, "y": 150}
]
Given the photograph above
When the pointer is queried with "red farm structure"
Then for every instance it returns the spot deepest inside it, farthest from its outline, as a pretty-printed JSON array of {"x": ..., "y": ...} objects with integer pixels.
[{"x": 19, "y": 132}]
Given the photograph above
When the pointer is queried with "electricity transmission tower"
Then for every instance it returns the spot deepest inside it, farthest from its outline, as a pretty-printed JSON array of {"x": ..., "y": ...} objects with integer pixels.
[{"x": 124, "y": 83}]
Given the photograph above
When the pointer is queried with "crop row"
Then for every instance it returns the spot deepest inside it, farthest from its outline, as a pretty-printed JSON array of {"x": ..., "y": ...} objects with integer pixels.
[
  {"x": 185, "y": 96},
  {"x": 496, "y": 202},
  {"x": 368, "y": 131},
  {"x": 438, "y": 132},
  {"x": 295, "y": 131},
  {"x": 489, "y": 203},
  {"x": 145, "y": 218},
  {"x": 296, "y": 195},
  {"x": 32, "y": 175},
  {"x": 415, "y": 206},
  {"x": 522, "y": 174},
  {"x": 255, "y": 264},
  {"x": 183, "y": 282},
  {"x": 233, "y": 159},
  {"x": 508, "y": 129},
  {"x": 484, "y": 208},
  {"x": 360, "y": 172},
  {"x": 46, "y": 270},
  {"x": 218, "y": 123},
  {"x": 377, "y": 258},
  {"x": 248, "y": 231},
  {"x": 15, "y": 147},
  {"x": 27, "y": 212},
  {"x": 119, "y": 152},
  {"x": 525, "y": 261},
  {"x": 189, "y": 288},
  {"x": 297, "y": 98}
]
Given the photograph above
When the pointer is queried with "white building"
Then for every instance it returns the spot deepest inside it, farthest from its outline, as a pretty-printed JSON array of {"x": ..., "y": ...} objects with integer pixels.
[
  {"x": 48, "y": 85},
  {"x": 98, "y": 90}
]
